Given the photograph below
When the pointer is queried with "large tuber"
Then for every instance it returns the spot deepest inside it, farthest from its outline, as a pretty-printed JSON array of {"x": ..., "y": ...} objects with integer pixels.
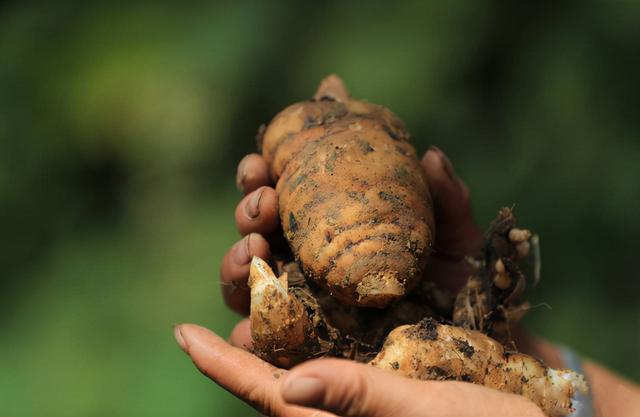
[{"x": 354, "y": 202}]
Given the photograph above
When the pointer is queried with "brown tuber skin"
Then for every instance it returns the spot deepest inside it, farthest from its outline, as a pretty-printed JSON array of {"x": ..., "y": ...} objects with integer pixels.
[
  {"x": 432, "y": 351},
  {"x": 353, "y": 199}
]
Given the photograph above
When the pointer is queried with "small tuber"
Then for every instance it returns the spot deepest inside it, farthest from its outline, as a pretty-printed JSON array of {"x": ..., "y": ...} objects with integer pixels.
[{"x": 434, "y": 351}]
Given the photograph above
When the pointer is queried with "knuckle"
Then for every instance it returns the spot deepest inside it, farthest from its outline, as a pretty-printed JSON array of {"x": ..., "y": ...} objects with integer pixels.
[
  {"x": 352, "y": 399},
  {"x": 254, "y": 395},
  {"x": 266, "y": 401}
]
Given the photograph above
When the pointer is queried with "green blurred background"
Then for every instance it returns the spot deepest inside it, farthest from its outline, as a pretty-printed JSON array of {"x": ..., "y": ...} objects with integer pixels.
[{"x": 120, "y": 130}]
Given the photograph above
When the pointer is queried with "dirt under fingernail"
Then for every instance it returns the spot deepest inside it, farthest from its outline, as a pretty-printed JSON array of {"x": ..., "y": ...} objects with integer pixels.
[
  {"x": 242, "y": 254},
  {"x": 252, "y": 208}
]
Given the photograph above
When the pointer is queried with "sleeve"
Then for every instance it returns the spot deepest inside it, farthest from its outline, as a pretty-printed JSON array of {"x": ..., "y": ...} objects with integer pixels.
[{"x": 583, "y": 403}]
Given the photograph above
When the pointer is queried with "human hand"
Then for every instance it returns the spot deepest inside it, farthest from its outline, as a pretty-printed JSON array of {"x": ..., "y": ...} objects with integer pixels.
[
  {"x": 257, "y": 220},
  {"x": 263, "y": 385},
  {"x": 330, "y": 387}
]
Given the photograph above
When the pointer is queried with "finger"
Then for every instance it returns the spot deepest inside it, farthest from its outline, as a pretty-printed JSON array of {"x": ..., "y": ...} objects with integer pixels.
[
  {"x": 457, "y": 234},
  {"x": 350, "y": 389},
  {"x": 241, "y": 335},
  {"x": 239, "y": 372},
  {"x": 234, "y": 271},
  {"x": 258, "y": 212},
  {"x": 253, "y": 173},
  {"x": 456, "y": 230}
]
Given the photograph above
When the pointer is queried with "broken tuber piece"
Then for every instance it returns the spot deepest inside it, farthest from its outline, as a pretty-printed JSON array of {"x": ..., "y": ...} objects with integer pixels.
[
  {"x": 432, "y": 351},
  {"x": 281, "y": 329},
  {"x": 291, "y": 321}
]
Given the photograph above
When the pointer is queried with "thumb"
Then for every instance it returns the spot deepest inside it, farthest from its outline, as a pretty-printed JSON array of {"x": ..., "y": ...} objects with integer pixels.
[{"x": 350, "y": 389}]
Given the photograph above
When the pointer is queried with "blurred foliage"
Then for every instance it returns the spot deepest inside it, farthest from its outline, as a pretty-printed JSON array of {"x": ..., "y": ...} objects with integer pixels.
[{"x": 120, "y": 129}]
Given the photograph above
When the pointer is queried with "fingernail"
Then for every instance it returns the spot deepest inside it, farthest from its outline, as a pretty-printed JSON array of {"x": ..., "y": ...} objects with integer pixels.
[
  {"x": 242, "y": 251},
  {"x": 252, "y": 208},
  {"x": 303, "y": 391},
  {"x": 180, "y": 339},
  {"x": 446, "y": 163},
  {"x": 241, "y": 175}
]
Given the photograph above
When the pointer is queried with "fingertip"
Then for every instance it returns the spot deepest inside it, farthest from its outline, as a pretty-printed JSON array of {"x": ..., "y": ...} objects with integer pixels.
[
  {"x": 305, "y": 385},
  {"x": 191, "y": 338},
  {"x": 303, "y": 391},
  {"x": 258, "y": 246},
  {"x": 438, "y": 167},
  {"x": 177, "y": 334},
  {"x": 253, "y": 173},
  {"x": 258, "y": 212},
  {"x": 457, "y": 232},
  {"x": 450, "y": 194},
  {"x": 432, "y": 151},
  {"x": 234, "y": 271},
  {"x": 236, "y": 370},
  {"x": 249, "y": 246},
  {"x": 193, "y": 332},
  {"x": 430, "y": 158},
  {"x": 345, "y": 387}
]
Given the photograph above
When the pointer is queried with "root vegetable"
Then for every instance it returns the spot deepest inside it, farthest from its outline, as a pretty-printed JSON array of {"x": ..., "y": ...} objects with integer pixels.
[
  {"x": 284, "y": 323},
  {"x": 433, "y": 351},
  {"x": 354, "y": 202},
  {"x": 291, "y": 321},
  {"x": 356, "y": 212}
]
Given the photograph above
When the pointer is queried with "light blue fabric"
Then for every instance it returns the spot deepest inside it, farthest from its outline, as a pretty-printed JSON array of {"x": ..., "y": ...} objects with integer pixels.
[{"x": 583, "y": 403}]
